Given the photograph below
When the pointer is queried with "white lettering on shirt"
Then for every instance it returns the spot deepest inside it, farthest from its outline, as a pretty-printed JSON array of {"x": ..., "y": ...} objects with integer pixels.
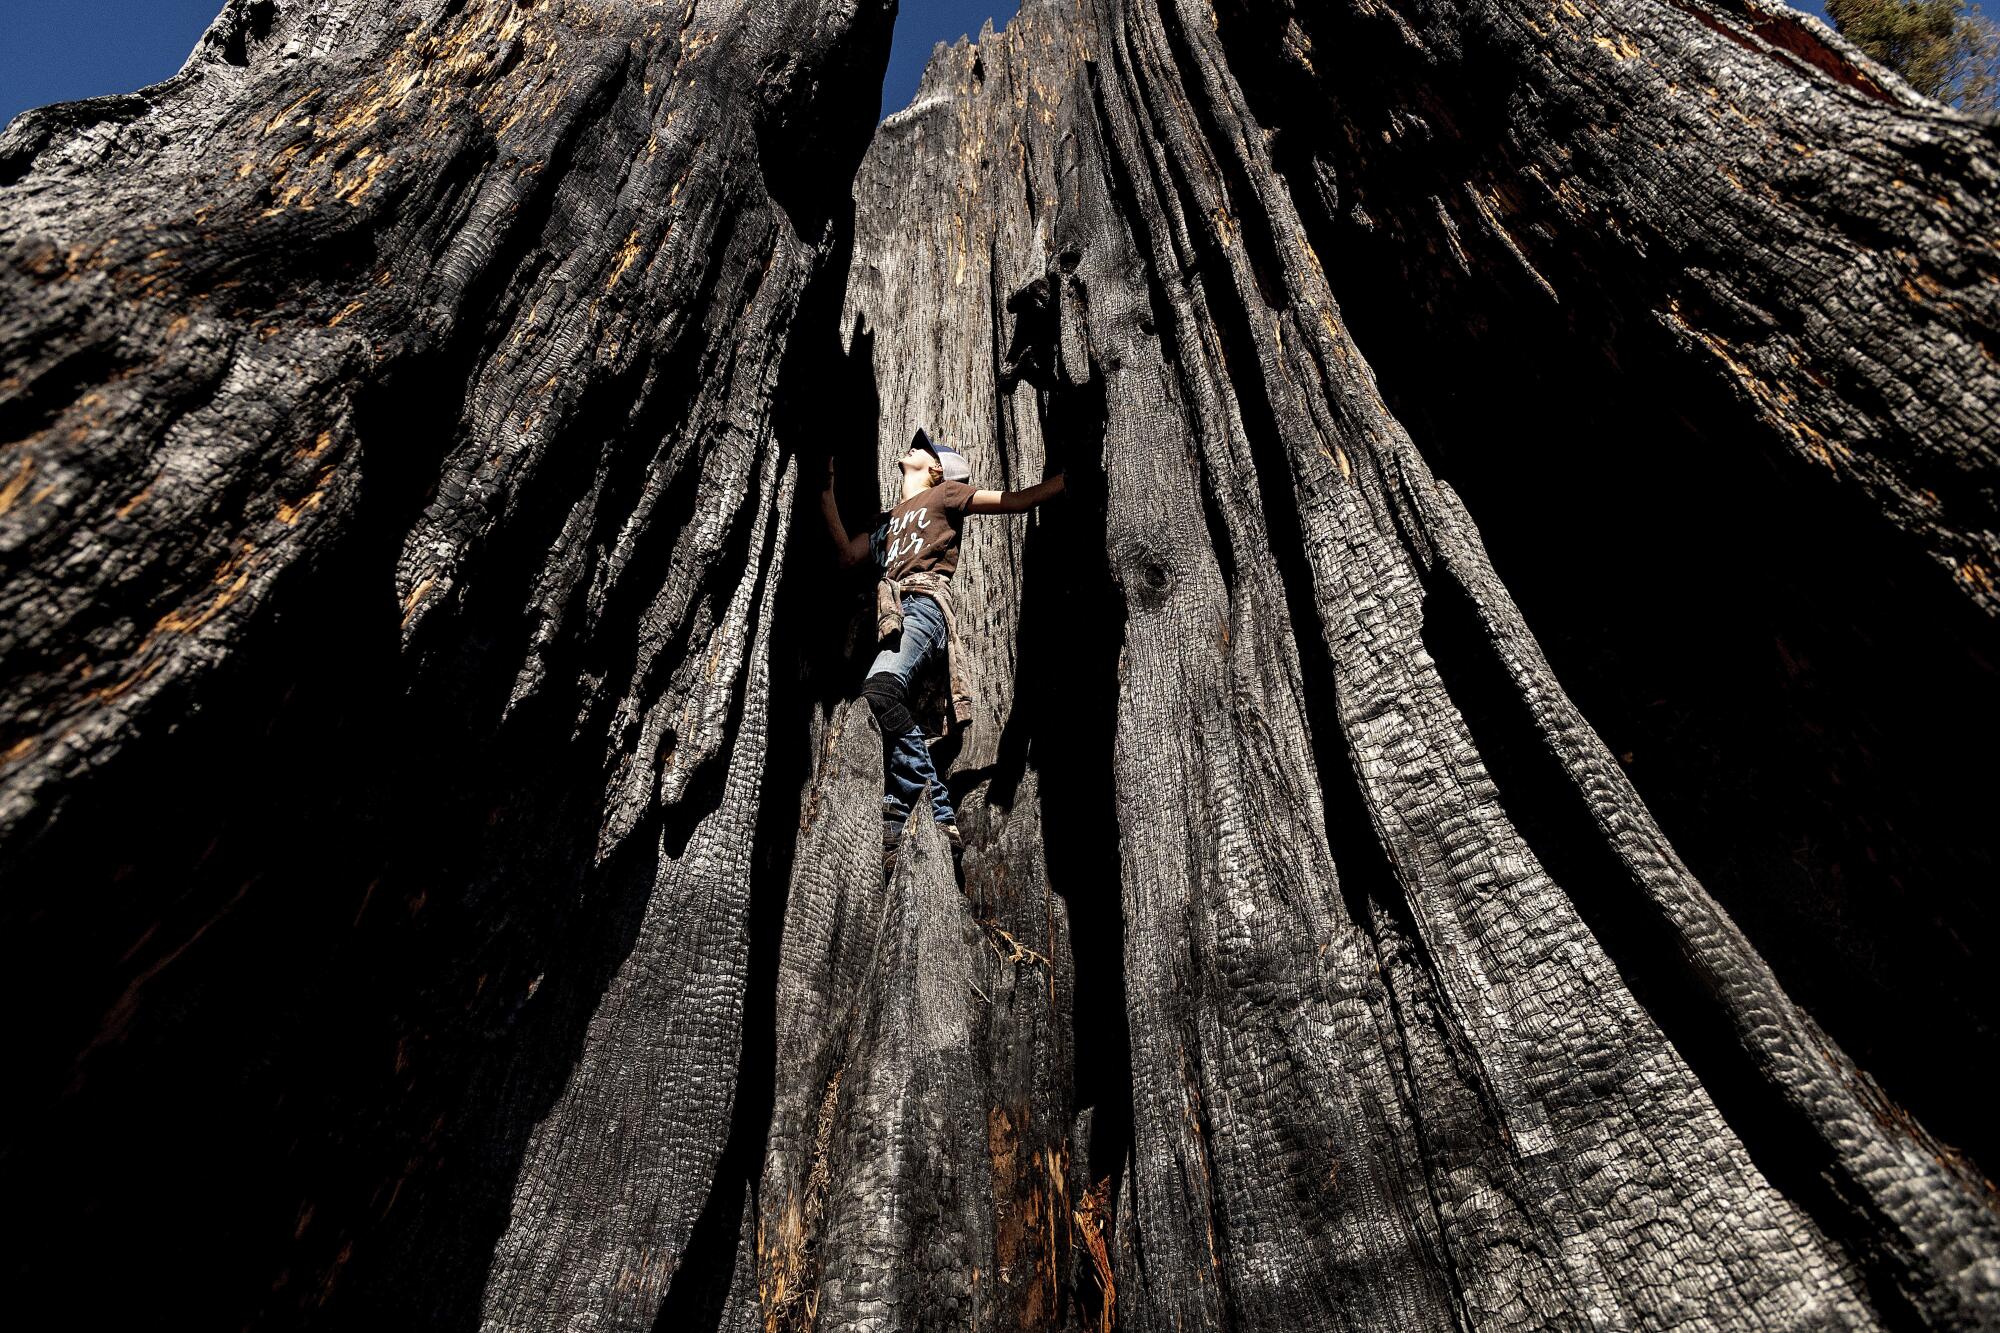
[{"x": 898, "y": 526}]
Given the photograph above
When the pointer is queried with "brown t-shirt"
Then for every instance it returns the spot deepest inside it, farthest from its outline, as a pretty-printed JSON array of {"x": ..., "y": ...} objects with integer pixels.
[{"x": 921, "y": 533}]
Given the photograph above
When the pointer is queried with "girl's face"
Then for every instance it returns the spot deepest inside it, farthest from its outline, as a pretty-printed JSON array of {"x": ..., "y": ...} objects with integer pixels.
[{"x": 918, "y": 461}]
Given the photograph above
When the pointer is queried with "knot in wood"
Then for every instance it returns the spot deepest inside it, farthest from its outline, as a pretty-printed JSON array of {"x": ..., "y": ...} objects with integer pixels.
[{"x": 1144, "y": 571}]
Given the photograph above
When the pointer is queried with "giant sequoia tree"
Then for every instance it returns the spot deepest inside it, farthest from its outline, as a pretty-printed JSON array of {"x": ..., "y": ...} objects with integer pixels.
[{"x": 1469, "y": 812}]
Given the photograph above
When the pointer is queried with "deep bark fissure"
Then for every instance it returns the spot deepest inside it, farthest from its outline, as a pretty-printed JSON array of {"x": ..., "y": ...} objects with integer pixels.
[
  {"x": 1633, "y": 523},
  {"x": 1615, "y": 653},
  {"x": 1640, "y": 941}
]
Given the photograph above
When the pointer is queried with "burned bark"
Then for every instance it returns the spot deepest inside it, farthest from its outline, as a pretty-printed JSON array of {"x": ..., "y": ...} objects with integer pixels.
[
  {"x": 1404, "y": 938},
  {"x": 389, "y": 597},
  {"x": 412, "y": 663}
]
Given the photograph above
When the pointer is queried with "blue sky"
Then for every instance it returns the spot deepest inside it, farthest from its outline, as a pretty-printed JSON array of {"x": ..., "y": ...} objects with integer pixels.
[
  {"x": 922, "y": 24},
  {"x": 60, "y": 50}
]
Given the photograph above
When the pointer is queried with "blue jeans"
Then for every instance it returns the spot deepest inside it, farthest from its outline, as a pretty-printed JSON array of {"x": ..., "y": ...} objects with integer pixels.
[{"x": 906, "y": 759}]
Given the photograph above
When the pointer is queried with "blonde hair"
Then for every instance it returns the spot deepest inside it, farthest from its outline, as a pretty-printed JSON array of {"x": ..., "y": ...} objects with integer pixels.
[{"x": 936, "y": 475}]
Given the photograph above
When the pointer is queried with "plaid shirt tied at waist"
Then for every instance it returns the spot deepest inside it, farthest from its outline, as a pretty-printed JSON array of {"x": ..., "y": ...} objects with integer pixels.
[{"x": 889, "y": 623}]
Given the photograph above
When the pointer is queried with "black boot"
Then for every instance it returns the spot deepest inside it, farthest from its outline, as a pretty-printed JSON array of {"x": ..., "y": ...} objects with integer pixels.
[{"x": 892, "y": 840}]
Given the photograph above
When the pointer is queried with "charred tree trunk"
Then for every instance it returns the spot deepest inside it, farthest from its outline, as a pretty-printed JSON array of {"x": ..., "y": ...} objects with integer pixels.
[
  {"x": 390, "y": 593},
  {"x": 447, "y": 855}
]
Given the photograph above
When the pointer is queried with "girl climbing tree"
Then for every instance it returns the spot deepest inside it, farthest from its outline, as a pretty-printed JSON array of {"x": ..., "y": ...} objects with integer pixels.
[{"x": 915, "y": 549}]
